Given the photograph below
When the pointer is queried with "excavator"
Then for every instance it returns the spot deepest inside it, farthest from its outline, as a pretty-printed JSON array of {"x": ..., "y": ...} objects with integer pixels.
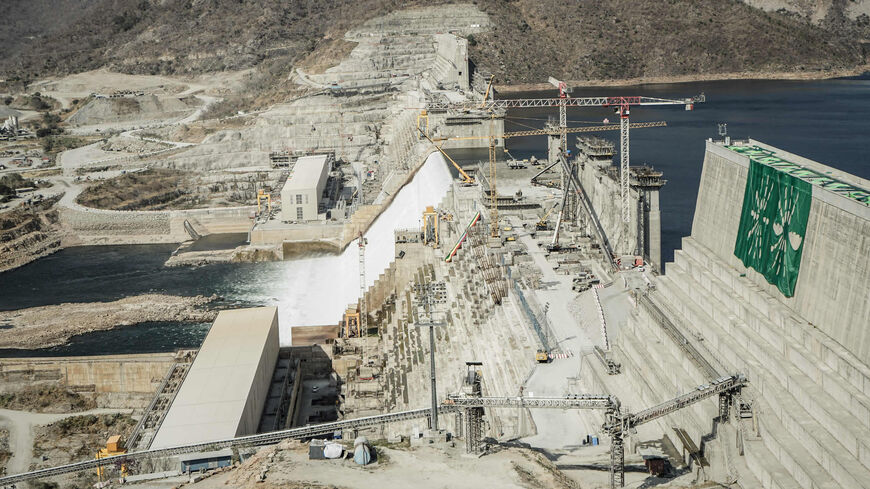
[{"x": 543, "y": 225}]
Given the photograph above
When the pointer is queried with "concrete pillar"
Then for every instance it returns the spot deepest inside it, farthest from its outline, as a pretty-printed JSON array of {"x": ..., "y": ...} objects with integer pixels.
[{"x": 654, "y": 229}]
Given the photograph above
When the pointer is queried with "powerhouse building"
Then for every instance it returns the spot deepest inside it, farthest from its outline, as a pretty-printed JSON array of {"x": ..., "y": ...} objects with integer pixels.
[
  {"x": 226, "y": 387},
  {"x": 300, "y": 196}
]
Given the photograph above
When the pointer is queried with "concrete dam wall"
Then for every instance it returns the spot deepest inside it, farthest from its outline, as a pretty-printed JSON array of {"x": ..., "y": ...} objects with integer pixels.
[
  {"x": 805, "y": 356},
  {"x": 315, "y": 291},
  {"x": 833, "y": 284}
]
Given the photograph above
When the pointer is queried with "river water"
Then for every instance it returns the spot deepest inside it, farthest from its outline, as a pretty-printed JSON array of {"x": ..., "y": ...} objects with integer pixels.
[
  {"x": 822, "y": 120},
  {"x": 312, "y": 290}
]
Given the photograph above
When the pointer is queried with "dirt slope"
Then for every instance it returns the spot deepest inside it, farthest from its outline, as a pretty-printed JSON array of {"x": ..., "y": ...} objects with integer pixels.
[
  {"x": 592, "y": 39},
  {"x": 620, "y": 39}
]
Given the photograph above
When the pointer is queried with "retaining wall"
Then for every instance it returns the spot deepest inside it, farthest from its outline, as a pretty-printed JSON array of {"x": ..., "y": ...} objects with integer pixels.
[{"x": 112, "y": 373}]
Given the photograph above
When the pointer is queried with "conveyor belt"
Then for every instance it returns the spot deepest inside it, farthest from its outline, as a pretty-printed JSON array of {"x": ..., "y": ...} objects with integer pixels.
[
  {"x": 581, "y": 401},
  {"x": 250, "y": 440}
]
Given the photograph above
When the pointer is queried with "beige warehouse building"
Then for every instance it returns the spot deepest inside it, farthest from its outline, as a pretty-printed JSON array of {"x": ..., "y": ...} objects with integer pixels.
[
  {"x": 300, "y": 197},
  {"x": 226, "y": 387}
]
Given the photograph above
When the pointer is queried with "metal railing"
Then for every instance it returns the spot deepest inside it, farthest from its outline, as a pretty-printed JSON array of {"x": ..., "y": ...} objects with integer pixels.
[
  {"x": 671, "y": 330},
  {"x": 718, "y": 386},
  {"x": 134, "y": 436}
]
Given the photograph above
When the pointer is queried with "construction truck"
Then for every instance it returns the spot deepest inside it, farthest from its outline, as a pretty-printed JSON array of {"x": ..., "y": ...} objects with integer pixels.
[{"x": 541, "y": 356}]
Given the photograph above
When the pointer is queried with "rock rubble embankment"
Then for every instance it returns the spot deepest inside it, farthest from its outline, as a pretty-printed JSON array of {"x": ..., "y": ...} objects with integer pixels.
[{"x": 47, "y": 326}]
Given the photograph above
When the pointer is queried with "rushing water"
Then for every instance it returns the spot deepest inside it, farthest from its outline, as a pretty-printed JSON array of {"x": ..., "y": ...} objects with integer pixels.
[
  {"x": 822, "y": 120},
  {"x": 308, "y": 291}
]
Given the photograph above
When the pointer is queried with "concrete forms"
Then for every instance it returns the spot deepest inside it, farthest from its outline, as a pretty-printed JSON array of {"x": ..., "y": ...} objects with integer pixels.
[
  {"x": 600, "y": 180},
  {"x": 225, "y": 389},
  {"x": 475, "y": 330},
  {"x": 806, "y": 357},
  {"x": 300, "y": 197}
]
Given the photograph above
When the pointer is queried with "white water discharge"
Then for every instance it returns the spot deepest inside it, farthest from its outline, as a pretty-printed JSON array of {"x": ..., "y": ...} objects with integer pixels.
[{"x": 316, "y": 291}]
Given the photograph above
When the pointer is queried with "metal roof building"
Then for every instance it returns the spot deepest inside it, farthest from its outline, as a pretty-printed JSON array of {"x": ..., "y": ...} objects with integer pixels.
[
  {"x": 224, "y": 391},
  {"x": 300, "y": 196}
]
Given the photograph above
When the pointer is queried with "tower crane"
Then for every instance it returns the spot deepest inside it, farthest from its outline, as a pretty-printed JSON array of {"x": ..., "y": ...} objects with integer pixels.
[
  {"x": 621, "y": 106},
  {"x": 363, "y": 310}
]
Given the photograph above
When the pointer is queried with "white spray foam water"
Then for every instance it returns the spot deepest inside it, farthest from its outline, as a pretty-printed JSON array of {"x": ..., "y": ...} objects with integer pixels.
[{"x": 316, "y": 291}]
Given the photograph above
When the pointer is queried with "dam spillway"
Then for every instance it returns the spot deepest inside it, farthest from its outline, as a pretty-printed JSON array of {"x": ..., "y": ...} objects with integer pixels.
[{"x": 315, "y": 291}]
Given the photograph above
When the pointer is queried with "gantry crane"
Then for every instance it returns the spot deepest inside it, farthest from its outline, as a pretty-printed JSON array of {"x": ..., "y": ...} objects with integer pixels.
[
  {"x": 618, "y": 423},
  {"x": 620, "y": 104}
]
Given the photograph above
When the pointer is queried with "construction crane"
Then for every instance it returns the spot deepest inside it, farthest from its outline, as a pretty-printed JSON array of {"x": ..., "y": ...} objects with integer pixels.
[
  {"x": 562, "y": 132},
  {"x": 466, "y": 179},
  {"x": 617, "y": 424},
  {"x": 363, "y": 312},
  {"x": 563, "y": 111},
  {"x": 542, "y": 225},
  {"x": 556, "y": 132},
  {"x": 621, "y": 105}
]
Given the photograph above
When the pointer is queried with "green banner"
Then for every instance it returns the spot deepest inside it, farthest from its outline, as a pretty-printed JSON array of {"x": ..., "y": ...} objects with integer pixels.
[{"x": 773, "y": 223}]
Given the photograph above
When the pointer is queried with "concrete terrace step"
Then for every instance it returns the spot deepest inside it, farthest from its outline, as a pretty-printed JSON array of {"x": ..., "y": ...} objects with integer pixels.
[
  {"x": 845, "y": 393},
  {"x": 673, "y": 375},
  {"x": 758, "y": 459},
  {"x": 816, "y": 475},
  {"x": 827, "y": 350},
  {"x": 833, "y": 456},
  {"x": 833, "y": 416}
]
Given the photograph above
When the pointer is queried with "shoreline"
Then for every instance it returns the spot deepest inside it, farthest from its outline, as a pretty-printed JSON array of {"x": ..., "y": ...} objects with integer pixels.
[
  {"x": 53, "y": 325},
  {"x": 656, "y": 80}
]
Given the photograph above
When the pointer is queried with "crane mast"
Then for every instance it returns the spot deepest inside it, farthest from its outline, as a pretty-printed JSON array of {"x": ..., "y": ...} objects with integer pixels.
[
  {"x": 363, "y": 311},
  {"x": 621, "y": 105},
  {"x": 623, "y": 174},
  {"x": 493, "y": 195}
]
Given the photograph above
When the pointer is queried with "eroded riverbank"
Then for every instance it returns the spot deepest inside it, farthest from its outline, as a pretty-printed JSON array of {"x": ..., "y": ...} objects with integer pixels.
[{"x": 48, "y": 326}]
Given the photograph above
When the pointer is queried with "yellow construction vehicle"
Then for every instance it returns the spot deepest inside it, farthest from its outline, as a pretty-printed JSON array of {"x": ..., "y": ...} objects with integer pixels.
[
  {"x": 263, "y": 196},
  {"x": 541, "y": 356},
  {"x": 543, "y": 225},
  {"x": 114, "y": 446}
]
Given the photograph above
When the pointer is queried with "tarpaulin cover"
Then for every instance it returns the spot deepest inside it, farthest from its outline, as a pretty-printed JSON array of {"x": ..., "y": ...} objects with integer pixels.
[{"x": 773, "y": 224}]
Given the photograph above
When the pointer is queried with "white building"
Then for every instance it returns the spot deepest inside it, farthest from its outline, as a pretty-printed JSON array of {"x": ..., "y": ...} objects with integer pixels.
[
  {"x": 300, "y": 197},
  {"x": 224, "y": 391}
]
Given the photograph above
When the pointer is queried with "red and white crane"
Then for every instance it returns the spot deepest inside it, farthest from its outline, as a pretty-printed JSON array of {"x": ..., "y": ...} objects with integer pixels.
[{"x": 621, "y": 106}]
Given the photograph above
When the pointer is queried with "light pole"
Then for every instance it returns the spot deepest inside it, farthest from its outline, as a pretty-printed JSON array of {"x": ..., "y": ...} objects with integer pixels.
[{"x": 427, "y": 295}]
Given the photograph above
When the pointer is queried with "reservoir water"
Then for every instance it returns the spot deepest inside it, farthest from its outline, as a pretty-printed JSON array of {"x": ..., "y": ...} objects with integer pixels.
[{"x": 822, "y": 120}]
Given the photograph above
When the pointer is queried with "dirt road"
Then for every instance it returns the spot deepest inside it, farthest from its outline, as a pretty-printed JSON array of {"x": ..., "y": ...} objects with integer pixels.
[{"x": 20, "y": 425}]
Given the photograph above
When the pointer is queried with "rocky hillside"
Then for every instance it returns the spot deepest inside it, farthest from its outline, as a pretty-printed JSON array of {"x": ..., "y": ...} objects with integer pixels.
[
  {"x": 620, "y": 39},
  {"x": 531, "y": 40}
]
